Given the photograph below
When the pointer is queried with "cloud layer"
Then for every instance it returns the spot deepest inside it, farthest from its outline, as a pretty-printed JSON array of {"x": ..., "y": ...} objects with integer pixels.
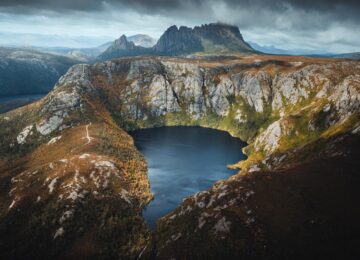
[{"x": 320, "y": 24}]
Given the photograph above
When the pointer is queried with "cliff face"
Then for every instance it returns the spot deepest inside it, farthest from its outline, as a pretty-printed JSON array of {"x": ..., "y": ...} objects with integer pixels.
[
  {"x": 224, "y": 35},
  {"x": 244, "y": 99},
  {"x": 68, "y": 149},
  {"x": 176, "y": 41},
  {"x": 206, "y": 38}
]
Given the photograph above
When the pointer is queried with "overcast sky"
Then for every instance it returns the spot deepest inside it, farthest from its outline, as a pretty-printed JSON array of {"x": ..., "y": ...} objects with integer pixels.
[{"x": 328, "y": 25}]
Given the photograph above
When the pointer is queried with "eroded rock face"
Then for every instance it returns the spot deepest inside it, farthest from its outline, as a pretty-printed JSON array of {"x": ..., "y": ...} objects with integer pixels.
[
  {"x": 255, "y": 89},
  {"x": 57, "y": 108},
  {"x": 269, "y": 138},
  {"x": 157, "y": 87},
  {"x": 347, "y": 96}
]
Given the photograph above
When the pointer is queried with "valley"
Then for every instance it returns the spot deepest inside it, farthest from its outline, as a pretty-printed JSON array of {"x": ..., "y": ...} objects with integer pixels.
[{"x": 74, "y": 183}]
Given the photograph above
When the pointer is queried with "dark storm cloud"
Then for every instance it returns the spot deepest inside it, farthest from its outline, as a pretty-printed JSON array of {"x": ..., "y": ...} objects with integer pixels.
[
  {"x": 95, "y": 5},
  {"x": 300, "y": 14},
  {"x": 92, "y": 5}
]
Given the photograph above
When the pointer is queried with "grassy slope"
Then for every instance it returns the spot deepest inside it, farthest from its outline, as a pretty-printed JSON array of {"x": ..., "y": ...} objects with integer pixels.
[{"x": 99, "y": 223}]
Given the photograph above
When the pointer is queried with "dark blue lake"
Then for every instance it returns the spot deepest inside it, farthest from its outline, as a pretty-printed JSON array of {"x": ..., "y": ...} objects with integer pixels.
[
  {"x": 12, "y": 102},
  {"x": 182, "y": 161}
]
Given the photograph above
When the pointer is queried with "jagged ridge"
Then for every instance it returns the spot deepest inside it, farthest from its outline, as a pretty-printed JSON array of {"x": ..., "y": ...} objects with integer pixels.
[{"x": 213, "y": 38}]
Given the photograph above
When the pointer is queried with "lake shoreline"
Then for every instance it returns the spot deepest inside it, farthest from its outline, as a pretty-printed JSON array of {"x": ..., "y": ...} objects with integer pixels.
[{"x": 182, "y": 161}]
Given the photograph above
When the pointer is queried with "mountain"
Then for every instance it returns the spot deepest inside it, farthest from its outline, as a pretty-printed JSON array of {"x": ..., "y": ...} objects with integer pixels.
[
  {"x": 84, "y": 54},
  {"x": 26, "y": 71},
  {"x": 142, "y": 40},
  {"x": 209, "y": 38},
  {"x": 273, "y": 50},
  {"x": 352, "y": 56},
  {"x": 74, "y": 185},
  {"x": 121, "y": 48},
  {"x": 223, "y": 38},
  {"x": 213, "y": 39},
  {"x": 88, "y": 54},
  {"x": 304, "y": 52},
  {"x": 176, "y": 41}
]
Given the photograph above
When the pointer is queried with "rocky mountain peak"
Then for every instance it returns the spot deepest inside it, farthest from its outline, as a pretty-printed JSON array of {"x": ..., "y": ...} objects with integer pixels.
[
  {"x": 178, "y": 41},
  {"x": 214, "y": 37},
  {"x": 224, "y": 34},
  {"x": 122, "y": 47},
  {"x": 142, "y": 40},
  {"x": 122, "y": 43}
]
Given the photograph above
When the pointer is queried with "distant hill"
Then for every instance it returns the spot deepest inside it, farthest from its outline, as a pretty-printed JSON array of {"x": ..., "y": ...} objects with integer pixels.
[
  {"x": 83, "y": 54},
  {"x": 121, "y": 48},
  {"x": 353, "y": 56},
  {"x": 89, "y": 54},
  {"x": 215, "y": 38},
  {"x": 26, "y": 71},
  {"x": 142, "y": 40},
  {"x": 303, "y": 52},
  {"x": 270, "y": 49}
]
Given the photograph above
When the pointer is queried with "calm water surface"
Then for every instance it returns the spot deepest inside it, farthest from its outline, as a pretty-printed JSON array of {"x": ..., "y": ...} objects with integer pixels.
[
  {"x": 12, "y": 102},
  {"x": 183, "y": 161}
]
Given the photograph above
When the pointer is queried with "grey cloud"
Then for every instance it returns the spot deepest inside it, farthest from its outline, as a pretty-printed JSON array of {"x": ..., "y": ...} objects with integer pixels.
[
  {"x": 299, "y": 14},
  {"x": 298, "y": 22}
]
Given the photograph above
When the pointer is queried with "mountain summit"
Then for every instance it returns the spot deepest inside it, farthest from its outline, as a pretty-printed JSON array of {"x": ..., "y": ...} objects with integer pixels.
[
  {"x": 122, "y": 47},
  {"x": 214, "y": 38},
  {"x": 142, "y": 40}
]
